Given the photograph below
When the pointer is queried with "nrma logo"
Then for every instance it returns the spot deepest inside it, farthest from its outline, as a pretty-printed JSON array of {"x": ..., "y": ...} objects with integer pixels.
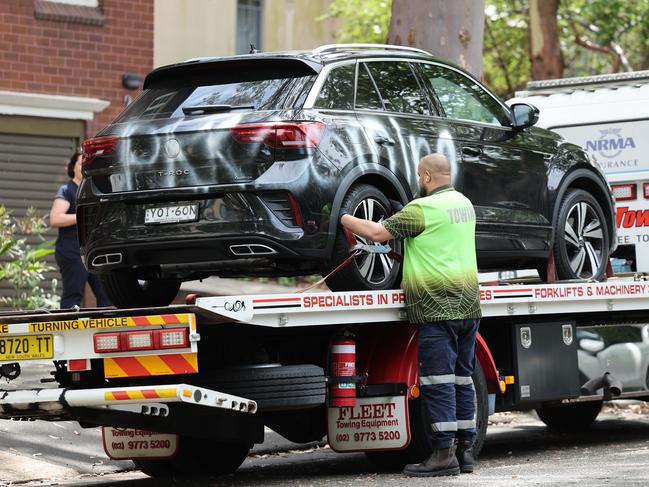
[{"x": 610, "y": 143}]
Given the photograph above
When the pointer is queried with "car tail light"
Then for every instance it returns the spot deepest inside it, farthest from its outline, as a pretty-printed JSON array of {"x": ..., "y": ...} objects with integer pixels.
[
  {"x": 173, "y": 338},
  {"x": 107, "y": 342},
  {"x": 127, "y": 341},
  {"x": 99, "y": 146},
  {"x": 137, "y": 340},
  {"x": 624, "y": 192},
  {"x": 299, "y": 135},
  {"x": 645, "y": 190}
]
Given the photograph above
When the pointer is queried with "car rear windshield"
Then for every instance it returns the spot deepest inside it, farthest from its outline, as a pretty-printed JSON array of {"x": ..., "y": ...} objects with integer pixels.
[{"x": 272, "y": 93}]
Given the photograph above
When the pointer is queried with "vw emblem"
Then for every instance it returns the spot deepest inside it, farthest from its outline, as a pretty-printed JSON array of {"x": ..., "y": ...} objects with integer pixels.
[{"x": 172, "y": 148}]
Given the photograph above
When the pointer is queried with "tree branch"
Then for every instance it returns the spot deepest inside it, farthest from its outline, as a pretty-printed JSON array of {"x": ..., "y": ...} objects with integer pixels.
[{"x": 591, "y": 46}]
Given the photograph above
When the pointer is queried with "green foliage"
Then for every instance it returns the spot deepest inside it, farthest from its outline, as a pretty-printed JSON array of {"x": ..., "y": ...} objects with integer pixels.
[
  {"x": 363, "y": 20},
  {"x": 23, "y": 265},
  {"x": 596, "y": 36}
]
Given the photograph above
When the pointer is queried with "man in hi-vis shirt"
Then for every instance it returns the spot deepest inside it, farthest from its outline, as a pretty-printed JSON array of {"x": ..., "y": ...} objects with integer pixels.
[{"x": 440, "y": 282}]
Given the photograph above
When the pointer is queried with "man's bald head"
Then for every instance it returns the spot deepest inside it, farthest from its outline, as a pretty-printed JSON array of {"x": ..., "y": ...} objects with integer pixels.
[{"x": 434, "y": 171}]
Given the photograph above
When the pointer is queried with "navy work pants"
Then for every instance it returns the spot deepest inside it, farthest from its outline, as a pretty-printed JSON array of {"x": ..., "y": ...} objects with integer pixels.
[
  {"x": 446, "y": 362},
  {"x": 74, "y": 276}
]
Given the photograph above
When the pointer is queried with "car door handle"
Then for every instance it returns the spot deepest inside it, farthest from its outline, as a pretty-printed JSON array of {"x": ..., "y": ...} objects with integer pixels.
[
  {"x": 383, "y": 140},
  {"x": 471, "y": 151}
]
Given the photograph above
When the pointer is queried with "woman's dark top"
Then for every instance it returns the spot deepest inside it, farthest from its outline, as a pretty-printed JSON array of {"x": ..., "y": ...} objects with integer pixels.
[{"x": 67, "y": 243}]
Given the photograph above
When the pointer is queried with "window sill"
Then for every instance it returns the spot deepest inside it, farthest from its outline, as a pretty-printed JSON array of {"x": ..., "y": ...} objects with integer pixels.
[{"x": 64, "y": 12}]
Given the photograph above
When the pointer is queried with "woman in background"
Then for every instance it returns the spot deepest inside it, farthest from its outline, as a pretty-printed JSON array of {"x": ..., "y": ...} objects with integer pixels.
[{"x": 63, "y": 216}]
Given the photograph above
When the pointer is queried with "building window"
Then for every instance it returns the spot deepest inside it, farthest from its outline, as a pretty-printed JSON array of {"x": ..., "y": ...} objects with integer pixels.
[
  {"x": 248, "y": 25},
  {"x": 81, "y": 3}
]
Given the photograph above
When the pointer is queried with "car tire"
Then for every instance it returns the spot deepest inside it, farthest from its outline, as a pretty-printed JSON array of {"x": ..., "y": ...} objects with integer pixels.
[
  {"x": 571, "y": 417},
  {"x": 197, "y": 456},
  {"x": 365, "y": 272},
  {"x": 420, "y": 448},
  {"x": 126, "y": 291},
  {"x": 581, "y": 240}
]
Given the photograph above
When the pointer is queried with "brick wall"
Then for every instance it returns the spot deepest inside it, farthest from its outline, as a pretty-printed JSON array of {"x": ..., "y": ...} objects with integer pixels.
[{"x": 75, "y": 51}]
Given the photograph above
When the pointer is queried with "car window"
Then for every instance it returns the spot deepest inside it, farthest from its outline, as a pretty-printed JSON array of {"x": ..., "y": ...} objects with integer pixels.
[
  {"x": 338, "y": 89},
  {"x": 262, "y": 94},
  {"x": 398, "y": 87},
  {"x": 463, "y": 98},
  {"x": 366, "y": 95}
]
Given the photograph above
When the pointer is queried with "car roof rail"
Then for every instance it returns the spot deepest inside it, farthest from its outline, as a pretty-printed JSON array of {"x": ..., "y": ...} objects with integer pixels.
[{"x": 330, "y": 48}]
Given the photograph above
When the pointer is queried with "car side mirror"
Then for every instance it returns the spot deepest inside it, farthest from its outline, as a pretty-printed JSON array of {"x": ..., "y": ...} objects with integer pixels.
[{"x": 524, "y": 115}]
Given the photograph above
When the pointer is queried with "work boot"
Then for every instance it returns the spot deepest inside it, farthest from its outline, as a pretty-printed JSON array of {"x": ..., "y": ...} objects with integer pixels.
[
  {"x": 464, "y": 455},
  {"x": 442, "y": 462}
]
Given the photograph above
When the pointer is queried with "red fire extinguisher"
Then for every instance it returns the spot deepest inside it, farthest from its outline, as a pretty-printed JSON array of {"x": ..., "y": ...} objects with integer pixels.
[{"x": 343, "y": 364}]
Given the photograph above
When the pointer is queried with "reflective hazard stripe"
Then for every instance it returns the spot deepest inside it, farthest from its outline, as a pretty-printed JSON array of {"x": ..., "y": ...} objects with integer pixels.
[
  {"x": 445, "y": 426},
  {"x": 463, "y": 381},
  {"x": 465, "y": 424},
  {"x": 429, "y": 380},
  {"x": 134, "y": 395},
  {"x": 145, "y": 365}
]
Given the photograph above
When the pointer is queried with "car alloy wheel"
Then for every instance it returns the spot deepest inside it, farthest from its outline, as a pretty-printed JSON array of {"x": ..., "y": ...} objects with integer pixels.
[
  {"x": 375, "y": 268},
  {"x": 584, "y": 239}
]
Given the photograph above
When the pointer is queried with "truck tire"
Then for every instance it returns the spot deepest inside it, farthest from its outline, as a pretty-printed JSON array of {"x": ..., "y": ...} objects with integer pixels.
[
  {"x": 570, "y": 417},
  {"x": 274, "y": 387},
  {"x": 126, "y": 291},
  {"x": 581, "y": 240},
  {"x": 367, "y": 271},
  {"x": 197, "y": 456},
  {"x": 420, "y": 448}
]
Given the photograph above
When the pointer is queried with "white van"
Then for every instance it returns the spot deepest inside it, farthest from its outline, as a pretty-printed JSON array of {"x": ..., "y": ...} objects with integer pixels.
[{"x": 608, "y": 116}]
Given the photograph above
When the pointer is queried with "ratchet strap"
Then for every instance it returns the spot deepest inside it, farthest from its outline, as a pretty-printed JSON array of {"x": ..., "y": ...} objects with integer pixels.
[{"x": 356, "y": 249}]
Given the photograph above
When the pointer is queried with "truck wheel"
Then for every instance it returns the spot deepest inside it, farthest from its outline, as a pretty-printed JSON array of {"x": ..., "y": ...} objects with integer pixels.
[
  {"x": 197, "y": 456},
  {"x": 126, "y": 291},
  {"x": 570, "y": 417},
  {"x": 365, "y": 272},
  {"x": 581, "y": 237},
  {"x": 420, "y": 447}
]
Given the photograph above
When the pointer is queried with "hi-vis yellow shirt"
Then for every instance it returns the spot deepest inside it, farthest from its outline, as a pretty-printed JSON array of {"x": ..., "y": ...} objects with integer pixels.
[{"x": 440, "y": 272}]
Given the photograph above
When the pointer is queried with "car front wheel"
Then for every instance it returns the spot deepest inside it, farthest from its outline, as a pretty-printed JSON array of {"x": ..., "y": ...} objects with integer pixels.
[
  {"x": 366, "y": 271},
  {"x": 581, "y": 245},
  {"x": 125, "y": 290}
]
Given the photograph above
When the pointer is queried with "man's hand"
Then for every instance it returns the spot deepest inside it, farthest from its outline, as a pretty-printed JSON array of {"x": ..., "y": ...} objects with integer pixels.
[{"x": 396, "y": 205}]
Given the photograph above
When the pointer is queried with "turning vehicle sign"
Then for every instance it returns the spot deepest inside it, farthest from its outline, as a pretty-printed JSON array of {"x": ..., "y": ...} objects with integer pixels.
[{"x": 375, "y": 423}]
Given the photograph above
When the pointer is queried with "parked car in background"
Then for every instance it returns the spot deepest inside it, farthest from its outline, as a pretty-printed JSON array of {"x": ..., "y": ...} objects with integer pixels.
[{"x": 238, "y": 166}]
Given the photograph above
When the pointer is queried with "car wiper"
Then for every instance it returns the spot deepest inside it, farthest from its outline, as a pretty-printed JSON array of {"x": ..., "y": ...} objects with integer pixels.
[{"x": 192, "y": 110}]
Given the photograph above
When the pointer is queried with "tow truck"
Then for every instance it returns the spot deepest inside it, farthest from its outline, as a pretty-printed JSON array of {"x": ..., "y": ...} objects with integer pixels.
[{"x": 189, "y": 388}]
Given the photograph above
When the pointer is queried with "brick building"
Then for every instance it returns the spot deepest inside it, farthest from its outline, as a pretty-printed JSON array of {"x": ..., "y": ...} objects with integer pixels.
[{"x": 64, "y": 64}]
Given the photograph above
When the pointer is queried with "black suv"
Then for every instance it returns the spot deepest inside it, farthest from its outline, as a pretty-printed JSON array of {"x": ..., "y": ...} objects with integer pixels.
[{"x": 238, "y": 166}]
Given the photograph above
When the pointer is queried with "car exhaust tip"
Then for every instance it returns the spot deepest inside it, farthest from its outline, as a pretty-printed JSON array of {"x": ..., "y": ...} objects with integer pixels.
[
  {"x": 251, "y": 249},
  {"x": 106, "y": 259}
]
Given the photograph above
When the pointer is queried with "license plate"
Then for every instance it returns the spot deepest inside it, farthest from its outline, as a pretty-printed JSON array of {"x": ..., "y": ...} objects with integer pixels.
[
  {"x": 171, "y": 214},
  {"x": 26, "y": 347}
]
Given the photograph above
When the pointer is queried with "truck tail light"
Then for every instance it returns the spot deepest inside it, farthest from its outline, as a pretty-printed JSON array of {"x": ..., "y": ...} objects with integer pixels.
[
  {"x": 129, "y": 341},
  {"x": 99, "y": 146},
  {"x": 107, "y": 342},
  {"x": 300, "y": 135},
  {"x": 624, "y": 192},
  {"x": 645, "y": 190},
  {"x": 173, "y": 338},
  {"x": 137, "y": 340}
]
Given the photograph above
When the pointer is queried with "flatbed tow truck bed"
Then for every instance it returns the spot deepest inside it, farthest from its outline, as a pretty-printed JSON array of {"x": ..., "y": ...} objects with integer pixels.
[{"x": 216, "y": 371}]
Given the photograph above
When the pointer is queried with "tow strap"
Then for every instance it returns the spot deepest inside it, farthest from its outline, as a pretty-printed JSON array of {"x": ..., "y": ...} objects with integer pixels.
[{"x": 356, "y": 249}]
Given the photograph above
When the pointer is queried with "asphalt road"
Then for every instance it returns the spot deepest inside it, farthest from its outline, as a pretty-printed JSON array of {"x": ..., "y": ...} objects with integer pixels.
[{"x": 519, "y": 451}]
